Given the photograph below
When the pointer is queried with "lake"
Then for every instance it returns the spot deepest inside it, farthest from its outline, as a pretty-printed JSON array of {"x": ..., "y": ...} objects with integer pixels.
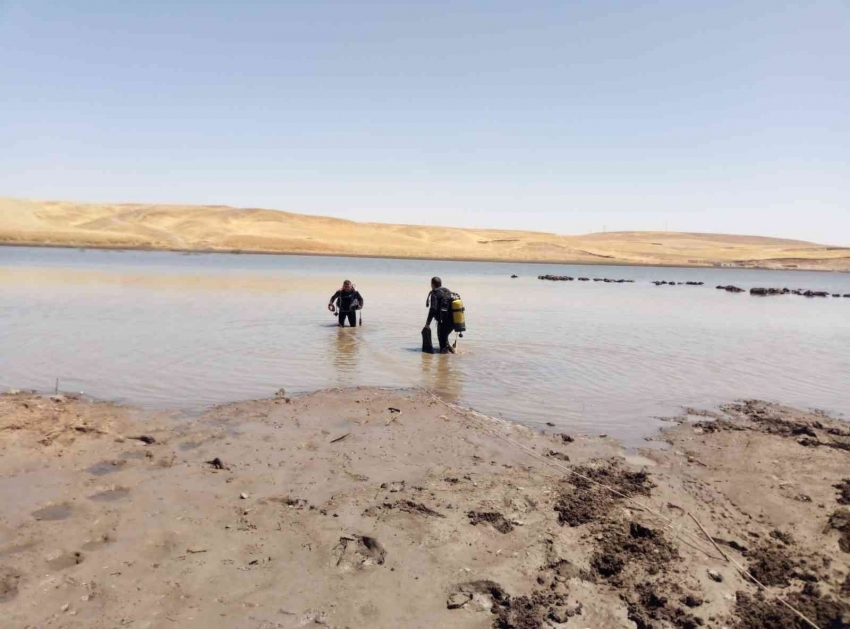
[{"x": 186, "y": 331}]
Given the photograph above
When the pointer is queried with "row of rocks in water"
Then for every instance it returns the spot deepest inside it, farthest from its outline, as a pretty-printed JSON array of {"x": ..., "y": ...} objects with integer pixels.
[
  {"x": 730, "y": 288},
  {"x": 663, "y": 283},
  {"x": 763, "y": 292},
  {"x": 567, "y": 278},
  {"x": 790, "y": 291}
]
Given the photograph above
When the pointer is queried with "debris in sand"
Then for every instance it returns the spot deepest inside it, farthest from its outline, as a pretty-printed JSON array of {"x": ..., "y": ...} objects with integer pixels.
[
  {"x": 566, "y": 438},
  {"x": 394, "y": 486},
  {"x": 358, "y": 551},
  {"x": 554, "y": 454},
  {"x": 146, "y": 439},
  {"x": 407, "y": 506},
  {"x": 494, "y": 519},
  {"x": 692, "y": 601},
  {"x": 217, "y": 464},
  {"x": 280, "y": 393},
  {"x": 782, "y": 536},
  {"x": 759, "y": 612},
  {"x": 339, "y": 438},
  {"x": 840, "y": 521},
  {"x": 585, "y": 496},
  {"x": 771, "y": 566},
  {"x": 458, "y": 600},
  {"x": 843, "y": 488},
  {"x": 715, "y": 576},
  {"x": 646, "y": 604},
  {"x": 243, "y": 496},
  {"x": 633, "y": 546},
  {"x": 292, "y": 503},
  {"x": 477, "y": 596}
]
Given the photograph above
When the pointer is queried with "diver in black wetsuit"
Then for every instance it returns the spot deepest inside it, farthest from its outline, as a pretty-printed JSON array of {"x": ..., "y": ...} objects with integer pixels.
[
  {"x": 349, "y": 301},
  {"x": 440, "y": 308}
]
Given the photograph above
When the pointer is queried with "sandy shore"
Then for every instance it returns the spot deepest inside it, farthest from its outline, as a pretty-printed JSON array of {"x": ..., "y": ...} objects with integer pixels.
[
  {"x": 375, "y": 508},
  {"x": 227, "y": 229}
]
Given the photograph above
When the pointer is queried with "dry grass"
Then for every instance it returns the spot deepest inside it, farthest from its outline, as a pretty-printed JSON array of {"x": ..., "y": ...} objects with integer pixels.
[{"x": 219, "y": 228}]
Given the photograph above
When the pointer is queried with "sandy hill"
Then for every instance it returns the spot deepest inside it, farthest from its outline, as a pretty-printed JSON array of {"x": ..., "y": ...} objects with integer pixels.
[{"x": 219, "y": 228}]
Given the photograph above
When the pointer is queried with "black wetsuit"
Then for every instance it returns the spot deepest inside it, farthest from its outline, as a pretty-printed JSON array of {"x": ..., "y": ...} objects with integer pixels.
[
  {"x": 441, "y": 310},
  {"x": 346, "y": 306}
]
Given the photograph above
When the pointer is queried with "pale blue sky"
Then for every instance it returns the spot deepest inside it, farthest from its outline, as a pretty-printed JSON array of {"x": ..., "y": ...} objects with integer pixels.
[{"x": 555, "y": 116}]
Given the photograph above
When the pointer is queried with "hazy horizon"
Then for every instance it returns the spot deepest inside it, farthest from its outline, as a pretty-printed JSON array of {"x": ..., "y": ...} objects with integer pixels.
[{"x": 576, "y": 118}]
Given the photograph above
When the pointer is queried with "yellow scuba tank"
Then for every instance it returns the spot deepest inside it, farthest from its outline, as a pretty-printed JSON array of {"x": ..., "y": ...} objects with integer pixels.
[{"x": 458, "y": 314}]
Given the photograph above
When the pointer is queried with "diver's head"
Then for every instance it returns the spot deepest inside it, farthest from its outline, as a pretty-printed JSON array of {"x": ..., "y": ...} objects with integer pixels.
[
  {"x": 436, "y": 282},
  {"x": 346, "y": 286}
]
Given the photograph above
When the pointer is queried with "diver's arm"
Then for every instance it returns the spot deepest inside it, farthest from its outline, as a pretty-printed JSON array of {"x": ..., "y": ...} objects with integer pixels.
[{"x": 334, "y": 298}]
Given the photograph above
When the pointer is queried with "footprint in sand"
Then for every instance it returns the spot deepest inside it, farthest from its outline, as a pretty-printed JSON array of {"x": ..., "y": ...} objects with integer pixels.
[
  {"x": 111, "y": 495},
  {"x": 9, "y": 580},
  {"x": 53, "y": 512},
  {"x": 65, "y": 560},
  {"x": 105, "y": 467}
]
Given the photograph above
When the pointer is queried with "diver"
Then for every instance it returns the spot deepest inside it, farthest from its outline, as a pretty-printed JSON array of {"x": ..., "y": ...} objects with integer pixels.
[
  {"x": 348, "y": 301},
  {"x": 439, "y": 304}
]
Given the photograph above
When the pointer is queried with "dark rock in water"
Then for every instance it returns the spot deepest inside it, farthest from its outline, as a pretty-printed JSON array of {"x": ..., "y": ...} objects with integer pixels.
[
  {"x": 765, "y": 291},
  {"x": 513, "y": 277},
  {"x": 694, "y": 283},
  {"x": 731, "y": 289},
  {"x": 815, "y": 293},
  {"x": 847, "y": 295},
  {"x": 836, "y": 295},
  {"x": 584, "y": 279}
]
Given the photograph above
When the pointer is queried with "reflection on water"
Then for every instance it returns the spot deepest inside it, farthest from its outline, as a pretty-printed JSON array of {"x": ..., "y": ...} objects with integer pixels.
[
  {"x": 442, "y": 373},
  {"x": 344, "y": 350},
  {"x": 168, "y": 330}
]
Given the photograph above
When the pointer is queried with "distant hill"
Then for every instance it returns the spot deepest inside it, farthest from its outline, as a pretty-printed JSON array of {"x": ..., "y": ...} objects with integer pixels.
[{"x": 219, "y": 228}]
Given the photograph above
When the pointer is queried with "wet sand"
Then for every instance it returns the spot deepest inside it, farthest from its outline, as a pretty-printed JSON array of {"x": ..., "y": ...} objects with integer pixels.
[{"x": 379, "y": 508}]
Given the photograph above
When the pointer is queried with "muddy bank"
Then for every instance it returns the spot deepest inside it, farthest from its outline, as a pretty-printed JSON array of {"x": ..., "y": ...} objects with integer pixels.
[{"x": 332, "y": 510}]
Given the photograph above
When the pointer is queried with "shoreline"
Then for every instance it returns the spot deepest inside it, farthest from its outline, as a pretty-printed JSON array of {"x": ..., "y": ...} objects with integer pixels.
[
  {"x": 196, "y": 251},
  {"x": 386, "y": 508}
]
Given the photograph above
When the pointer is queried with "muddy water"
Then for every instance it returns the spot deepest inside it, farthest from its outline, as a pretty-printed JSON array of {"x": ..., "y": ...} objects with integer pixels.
[{"x": 188, "y": 331}]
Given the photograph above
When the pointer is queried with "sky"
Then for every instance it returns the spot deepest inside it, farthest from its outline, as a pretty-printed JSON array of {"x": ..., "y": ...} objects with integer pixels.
[{"x": 568, "y": 117}]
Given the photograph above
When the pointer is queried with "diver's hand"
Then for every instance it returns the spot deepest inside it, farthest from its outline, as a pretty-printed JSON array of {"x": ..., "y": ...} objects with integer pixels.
[{"x": 427, "y": 327}]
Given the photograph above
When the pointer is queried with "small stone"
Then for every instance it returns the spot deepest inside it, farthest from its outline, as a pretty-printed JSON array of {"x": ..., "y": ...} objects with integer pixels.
[
  {"x": 243, "y": 496},
  {"x": 280, "y": 393},
  {"x": 715, "y": 576},
  {"x": 65, "y": 607}
]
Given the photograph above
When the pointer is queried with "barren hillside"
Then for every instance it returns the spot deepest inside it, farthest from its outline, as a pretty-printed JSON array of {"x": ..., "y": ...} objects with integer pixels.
[{"x": 219, "y": 228}]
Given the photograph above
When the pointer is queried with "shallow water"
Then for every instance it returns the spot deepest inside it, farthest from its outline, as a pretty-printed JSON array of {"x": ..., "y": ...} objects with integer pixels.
[{"x": 187, "y": 331}]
